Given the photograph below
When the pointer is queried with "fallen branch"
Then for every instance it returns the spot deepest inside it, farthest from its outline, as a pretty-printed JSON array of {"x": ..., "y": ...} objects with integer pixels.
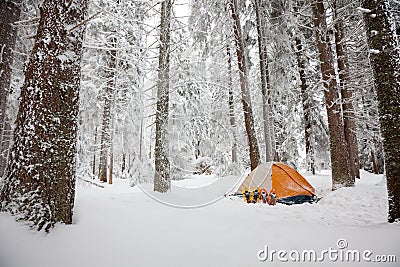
[{"x": 91, "y": 182}]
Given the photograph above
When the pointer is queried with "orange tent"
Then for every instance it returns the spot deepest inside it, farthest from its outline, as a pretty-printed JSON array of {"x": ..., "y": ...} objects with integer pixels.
[{"x": 290, "y": 186}]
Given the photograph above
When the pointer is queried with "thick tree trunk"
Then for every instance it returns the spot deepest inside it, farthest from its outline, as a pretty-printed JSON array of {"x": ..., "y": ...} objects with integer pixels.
[
  {"x": 305, "y": 104},
  {"x": 248, "y": 112},
  {"x": 385, "y": 60},
  {"x": 232, "y": 120},
  {"x": 162, "y": 182},
  {"x": 106, "y": 128},
  {"x": 265, "y": 84},
  {"x": 350, "y": 128},
  {"x": 341, "y": 175},
  {"x": 9, "y": 14},
  {"x": 40, "y": 181}
]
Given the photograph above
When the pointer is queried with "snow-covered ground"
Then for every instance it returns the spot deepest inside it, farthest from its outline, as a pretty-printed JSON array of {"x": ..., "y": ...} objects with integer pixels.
[{"x": 122, "y": 226}]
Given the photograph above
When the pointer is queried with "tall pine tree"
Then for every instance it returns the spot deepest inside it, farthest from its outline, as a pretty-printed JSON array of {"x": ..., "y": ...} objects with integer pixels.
[
  {"x": 385, "y": 60},
  {"x": 39, "y": 184}
]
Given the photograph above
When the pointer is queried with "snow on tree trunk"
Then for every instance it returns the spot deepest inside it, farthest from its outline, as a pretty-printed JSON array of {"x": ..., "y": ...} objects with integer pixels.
[
  {"x": 306, "y": 105},
  {"x": 39, "y": 185},
  {"x": 232, "y": 120},
  {"x": 385, "y": 61},
  {"x": 9, "y": 13},
  {"x": 350, "y": 128},
  {"x": 265, "y": 84},
  {"x": 247, "y": 109},
  {"x": 341, "y": 175},
  {"x": 162, "y": 181},
  {"x": 109, "y": 102}
]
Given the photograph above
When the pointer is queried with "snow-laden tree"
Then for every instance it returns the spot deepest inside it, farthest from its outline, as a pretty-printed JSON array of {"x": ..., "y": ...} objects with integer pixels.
[
  {"x": 39, "y": 186},
  {"x": 25, "y": 30},
  {"x": 113, "y": 70},
  {"x": 162, "y": 181},
  {"x": 254, "y": 151},
  {"x": 340, "y": 11},
  {"x": 261, "y": 15},
  {"x": 204, "y": 92},
  {"x": 341, "y": 175},
  {"x": 385, "y": 59}
]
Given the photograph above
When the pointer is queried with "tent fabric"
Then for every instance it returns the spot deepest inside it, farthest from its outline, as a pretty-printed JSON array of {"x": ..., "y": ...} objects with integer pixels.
[
  {"x": 286, "y": 181},
  {"x": 259, "y": 177}
]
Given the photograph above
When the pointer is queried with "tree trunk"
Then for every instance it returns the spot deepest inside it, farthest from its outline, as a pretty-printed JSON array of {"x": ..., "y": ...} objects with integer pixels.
[
  {"x": 94, "y": 153},
  {"x": 341, "y": 175},
  {"x": 306, "y": 105},
  {"x": 106, "y": 128},
  {"x": 373, "y": 160},
  {"x": 162, "y": 182},
  {"x": 385, "y": 60},
  {"x": 350, "y": 128},
  {"x": 9, "y": 14},
  {"x": 5, "y": 146},
  {"x": 248, "y": 113},
  {"x": 231, "y": 104},
  {"x": 110, "y": 176},
  {"x": 123, "y": 165},
  {"x": 39, "y": 184},
  {"x": 141, "y": 141},
  {"x": 265, "y": 84}
]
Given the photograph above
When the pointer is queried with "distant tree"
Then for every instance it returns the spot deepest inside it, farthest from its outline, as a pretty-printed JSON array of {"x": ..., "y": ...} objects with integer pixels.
[
  {"x": 162, "y": 181},
  {"x": 385, "y": 59},
  {"x": 112, "y": 75},
  {"x": 231, "y": 105},
  {"x": 39, "y": 185},
  {"x": 341, "y": 175},
  {"x": 108, "y": 114},
  {"x": 260, "y": 8},
  {"x": 306, "y": 104},
  {"x": 10, "y": 12}
]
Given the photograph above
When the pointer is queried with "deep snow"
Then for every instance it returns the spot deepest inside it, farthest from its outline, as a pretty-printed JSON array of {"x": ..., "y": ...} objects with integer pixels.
[{"x": 121, "y": 226}]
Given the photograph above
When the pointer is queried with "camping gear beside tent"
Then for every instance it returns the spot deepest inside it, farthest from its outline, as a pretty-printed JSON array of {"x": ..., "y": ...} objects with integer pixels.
[{"x": 290, "y": 186}]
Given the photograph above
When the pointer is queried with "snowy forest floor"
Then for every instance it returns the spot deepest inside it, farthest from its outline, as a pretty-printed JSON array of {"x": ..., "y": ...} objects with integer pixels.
[{"x": 121, "y": 226}]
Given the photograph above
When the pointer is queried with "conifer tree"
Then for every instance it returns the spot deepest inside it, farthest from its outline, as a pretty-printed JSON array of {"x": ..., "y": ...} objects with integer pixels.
[
  {"x": 39, "y": 185},
  {"x": 385, "y": 59}
]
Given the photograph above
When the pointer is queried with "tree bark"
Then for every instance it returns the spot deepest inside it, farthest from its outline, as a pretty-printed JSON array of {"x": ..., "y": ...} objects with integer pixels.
[
  {"x": 5, "y": 146},
  {"x": 39, "y": 185},
  {"x": 9, "y": 14},
  {"x": 162, "y": 182},
  {"x": 265, "y": 84},
  {"x": 350, "y": 128},
  {"x": 247, "y": 109},
  {"x": 385, "y": 61},
  {"x": 341, "y": 175}
]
